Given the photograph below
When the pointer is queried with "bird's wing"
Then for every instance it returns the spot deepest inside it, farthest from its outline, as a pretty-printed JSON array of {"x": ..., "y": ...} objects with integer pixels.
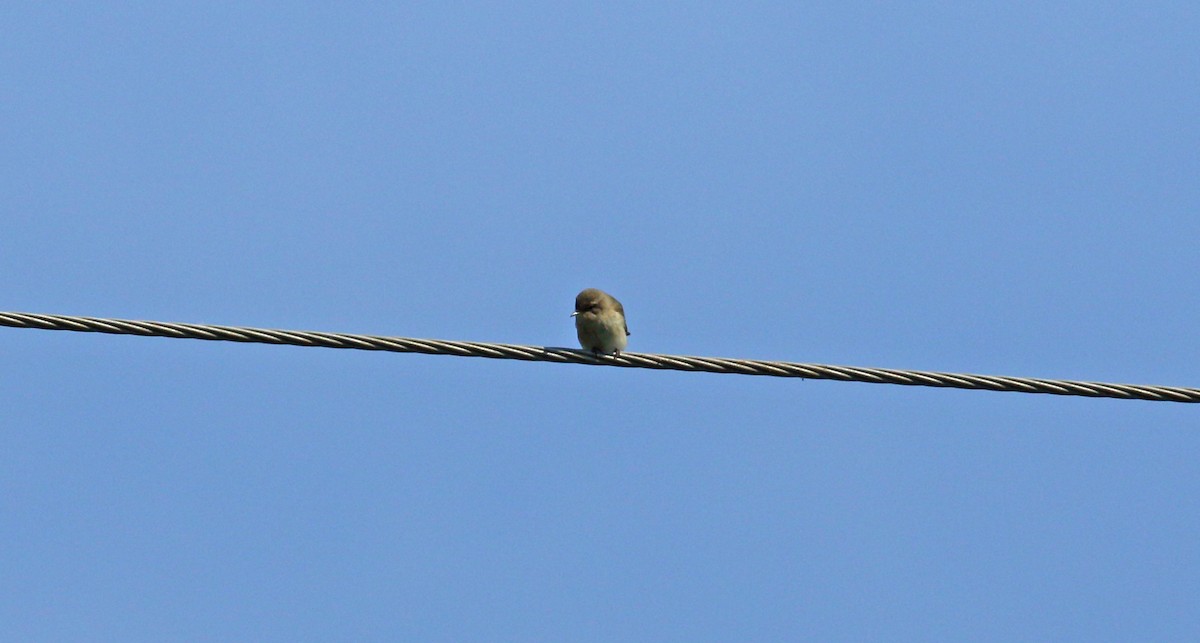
[{"x": 621, "y": 309}]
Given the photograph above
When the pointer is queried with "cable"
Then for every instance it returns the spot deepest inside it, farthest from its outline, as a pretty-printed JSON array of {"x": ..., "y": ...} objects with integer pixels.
[{"x": 572, "y": 356}]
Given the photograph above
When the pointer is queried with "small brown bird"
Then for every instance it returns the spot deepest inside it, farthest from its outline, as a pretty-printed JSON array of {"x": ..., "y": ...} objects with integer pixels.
[{"x": 600, "y": 322}]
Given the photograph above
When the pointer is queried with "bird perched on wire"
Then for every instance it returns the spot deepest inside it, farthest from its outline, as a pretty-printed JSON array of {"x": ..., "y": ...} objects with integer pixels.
[{"x": 600, "y": 322}]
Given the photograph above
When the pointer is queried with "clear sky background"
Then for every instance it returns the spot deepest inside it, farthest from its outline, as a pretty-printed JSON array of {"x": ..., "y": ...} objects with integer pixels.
[{"x": 997, "y": 188}]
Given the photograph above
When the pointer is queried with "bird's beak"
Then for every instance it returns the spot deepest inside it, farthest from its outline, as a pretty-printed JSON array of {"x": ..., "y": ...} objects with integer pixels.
[{"x": 575, "y": 313}]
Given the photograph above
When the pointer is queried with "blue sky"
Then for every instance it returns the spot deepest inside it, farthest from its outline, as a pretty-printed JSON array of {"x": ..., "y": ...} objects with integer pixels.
[{"x": 998, "y": 188}]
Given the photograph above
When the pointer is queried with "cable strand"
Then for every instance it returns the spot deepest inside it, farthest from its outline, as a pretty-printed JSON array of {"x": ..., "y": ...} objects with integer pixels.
[{"x": 560, "y": 355}]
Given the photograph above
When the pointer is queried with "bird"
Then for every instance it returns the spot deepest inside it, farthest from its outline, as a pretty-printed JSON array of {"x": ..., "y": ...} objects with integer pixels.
[{"x": 600, "y": 322}]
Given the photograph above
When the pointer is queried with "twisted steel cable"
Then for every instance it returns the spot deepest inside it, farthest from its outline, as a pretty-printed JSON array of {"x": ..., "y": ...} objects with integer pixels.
[{"x": 628, "y": 360}]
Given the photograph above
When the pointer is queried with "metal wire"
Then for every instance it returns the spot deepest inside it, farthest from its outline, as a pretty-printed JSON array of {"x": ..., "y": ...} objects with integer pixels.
[{"x": 572, "y": 356}]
